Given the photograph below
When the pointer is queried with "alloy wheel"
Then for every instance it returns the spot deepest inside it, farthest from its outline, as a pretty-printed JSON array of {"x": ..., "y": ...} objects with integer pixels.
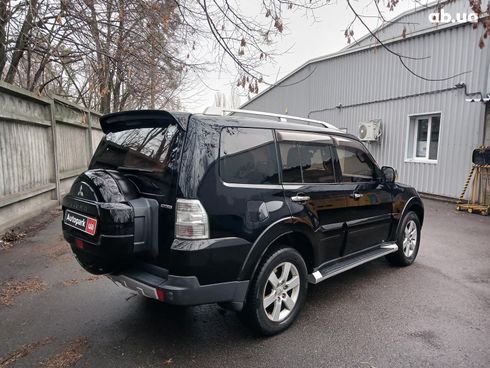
[
  {"x": 410, "y": 238},
  {"x": 281, "y": 291}
]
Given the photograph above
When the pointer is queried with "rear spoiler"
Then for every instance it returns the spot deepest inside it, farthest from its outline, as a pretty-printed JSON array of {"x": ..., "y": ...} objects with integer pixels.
[{"x": 134, "y": 119}]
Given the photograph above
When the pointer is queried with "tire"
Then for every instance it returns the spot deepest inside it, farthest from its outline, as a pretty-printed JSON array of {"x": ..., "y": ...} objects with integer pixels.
[
  {"x": 285, "y": 300},
  {"x": 408, "y": 241}
]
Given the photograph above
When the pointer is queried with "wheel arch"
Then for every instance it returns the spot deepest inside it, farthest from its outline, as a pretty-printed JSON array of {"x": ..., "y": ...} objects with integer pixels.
[
  {"x": 296, "y": 240},
  {"x": 414, "y": 204},
  {"x": 418, "y": 208},
  {"x": 287, "y": 232}
]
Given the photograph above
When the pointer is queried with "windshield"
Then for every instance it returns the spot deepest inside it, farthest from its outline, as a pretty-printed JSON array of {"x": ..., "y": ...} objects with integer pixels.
[{"x": 147, "y": 156}]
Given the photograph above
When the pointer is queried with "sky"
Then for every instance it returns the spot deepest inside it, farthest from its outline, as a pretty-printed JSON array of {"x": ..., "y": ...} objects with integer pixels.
[{"x": 303, "y": 38}]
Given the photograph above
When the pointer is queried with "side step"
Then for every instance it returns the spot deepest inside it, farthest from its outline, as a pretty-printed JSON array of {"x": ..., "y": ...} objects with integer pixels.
[{"x": 344, "y": 265}]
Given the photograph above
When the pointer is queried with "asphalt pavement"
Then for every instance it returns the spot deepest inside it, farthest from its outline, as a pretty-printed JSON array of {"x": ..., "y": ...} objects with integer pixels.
[{"x": 435, "y": 313}]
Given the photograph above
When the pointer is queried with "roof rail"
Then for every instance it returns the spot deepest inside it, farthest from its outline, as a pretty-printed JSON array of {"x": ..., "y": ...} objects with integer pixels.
[{"x": 280, "y": 117}]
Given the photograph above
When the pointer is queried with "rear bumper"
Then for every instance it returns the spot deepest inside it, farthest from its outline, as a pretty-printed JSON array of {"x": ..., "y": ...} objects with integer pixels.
[{"x": 154, "y": 282}]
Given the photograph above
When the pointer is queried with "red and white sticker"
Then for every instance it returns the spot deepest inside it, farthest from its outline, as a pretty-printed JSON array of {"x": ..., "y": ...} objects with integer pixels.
[
  {"x": 91, "y": 226},
  {"x": 81, "y": 222}
]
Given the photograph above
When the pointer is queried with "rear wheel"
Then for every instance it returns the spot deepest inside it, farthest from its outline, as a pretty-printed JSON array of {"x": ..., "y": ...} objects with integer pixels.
[
  {"x": 277, "y": 292},
  {"x": 408, "y": 240}
]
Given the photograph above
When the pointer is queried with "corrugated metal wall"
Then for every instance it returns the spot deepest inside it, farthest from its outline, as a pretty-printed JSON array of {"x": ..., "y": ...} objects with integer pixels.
[
  {"x": 28, "y": 181},
  {"x": 372, "y": 84},
  {"x": 415, "y": 21}
]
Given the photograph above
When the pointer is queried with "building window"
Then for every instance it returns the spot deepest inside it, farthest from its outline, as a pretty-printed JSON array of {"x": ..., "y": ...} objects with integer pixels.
[{"x": 423, "y": 137}]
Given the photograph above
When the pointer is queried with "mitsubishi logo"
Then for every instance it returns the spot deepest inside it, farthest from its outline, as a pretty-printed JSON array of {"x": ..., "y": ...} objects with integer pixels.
[{"x": 80, "y": 191}]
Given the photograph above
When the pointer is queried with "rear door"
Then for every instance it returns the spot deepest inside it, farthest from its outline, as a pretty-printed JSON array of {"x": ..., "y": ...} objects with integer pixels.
[
  {"x": 368, "y": 200},
  {"x": 247, "y": 197},
  {"x": 311, "y": 191}
]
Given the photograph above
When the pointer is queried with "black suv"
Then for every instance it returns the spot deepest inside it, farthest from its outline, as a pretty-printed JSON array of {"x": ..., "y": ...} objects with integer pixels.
[{"x": 239, "y": 210}]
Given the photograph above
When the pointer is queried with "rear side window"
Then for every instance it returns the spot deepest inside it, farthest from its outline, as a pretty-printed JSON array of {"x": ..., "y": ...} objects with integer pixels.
[
  {"x": 355, "y": 164},
  {"x": 304, "y": 162},
  {"x": 248, "y": 156}
]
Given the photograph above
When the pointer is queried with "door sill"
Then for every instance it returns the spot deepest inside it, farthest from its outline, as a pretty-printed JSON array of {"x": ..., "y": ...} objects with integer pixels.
[{"x": 328, "y": 271}]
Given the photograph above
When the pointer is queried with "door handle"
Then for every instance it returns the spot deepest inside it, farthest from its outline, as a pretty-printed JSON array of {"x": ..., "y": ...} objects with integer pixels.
[
  {"x": 356, "y": 195},
  {"x": 300, "y": 198}
]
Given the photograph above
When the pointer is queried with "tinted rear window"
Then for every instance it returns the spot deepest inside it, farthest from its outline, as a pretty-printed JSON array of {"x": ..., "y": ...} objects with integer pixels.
[
  {"x": 248, "y": 156},
  {"x": 147, "y": 156}
]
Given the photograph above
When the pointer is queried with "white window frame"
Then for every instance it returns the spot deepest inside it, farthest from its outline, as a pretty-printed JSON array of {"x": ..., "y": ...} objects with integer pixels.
[{"x": 411, "y": 151}]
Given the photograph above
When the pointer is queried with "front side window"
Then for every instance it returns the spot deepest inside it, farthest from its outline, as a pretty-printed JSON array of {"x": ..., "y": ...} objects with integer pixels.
[
  {"x": 304, "y": 162},
  {"x": 248, "y": 156},
  {"x": 355, "y": 163},
  {"x": 423, "y": 138}
]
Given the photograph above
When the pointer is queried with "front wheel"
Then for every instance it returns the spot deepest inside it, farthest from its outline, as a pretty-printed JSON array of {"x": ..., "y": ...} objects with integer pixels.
[
  {"x": 408, "y": 240},
  {"x": 277, "y": 292}
]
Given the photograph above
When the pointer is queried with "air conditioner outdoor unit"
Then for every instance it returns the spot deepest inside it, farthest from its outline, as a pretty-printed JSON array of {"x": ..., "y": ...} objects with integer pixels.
[{"x": 370, "y": 131}]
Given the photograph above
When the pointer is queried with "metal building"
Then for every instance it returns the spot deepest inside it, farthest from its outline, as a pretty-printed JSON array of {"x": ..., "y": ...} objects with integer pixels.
[{"x": 428, "y": 128}]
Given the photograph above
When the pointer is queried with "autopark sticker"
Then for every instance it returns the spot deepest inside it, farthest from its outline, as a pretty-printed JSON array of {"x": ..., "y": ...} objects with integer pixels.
[{"x": 81, "y": 222}]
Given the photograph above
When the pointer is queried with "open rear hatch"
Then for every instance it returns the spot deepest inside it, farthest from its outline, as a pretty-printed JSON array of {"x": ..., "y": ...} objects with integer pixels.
[{"x": 122, "y": 208}]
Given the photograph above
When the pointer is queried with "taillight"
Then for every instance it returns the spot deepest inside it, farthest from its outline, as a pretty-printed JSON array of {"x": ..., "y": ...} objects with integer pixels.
[{"x": 191, "y": 220}]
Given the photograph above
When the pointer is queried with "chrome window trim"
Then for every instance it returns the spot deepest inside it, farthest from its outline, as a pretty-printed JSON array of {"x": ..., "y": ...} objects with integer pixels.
[
  {"x": 293, "y": 185},
  {"x": 252, "y": 186}
]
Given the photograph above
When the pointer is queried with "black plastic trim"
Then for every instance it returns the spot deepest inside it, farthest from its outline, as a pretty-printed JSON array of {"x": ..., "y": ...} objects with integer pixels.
[
  {"x": 408, "y": 205},
  {"x": 181, "y": 290}
]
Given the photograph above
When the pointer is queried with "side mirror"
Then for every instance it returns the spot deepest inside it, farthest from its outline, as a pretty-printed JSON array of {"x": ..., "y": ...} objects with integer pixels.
[{"x": 389, "y": 174}]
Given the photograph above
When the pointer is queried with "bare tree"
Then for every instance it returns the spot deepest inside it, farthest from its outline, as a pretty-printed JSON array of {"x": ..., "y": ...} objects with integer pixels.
[
  {"x": 109, "y": 55},
  {"x": 3, "y": 34}
]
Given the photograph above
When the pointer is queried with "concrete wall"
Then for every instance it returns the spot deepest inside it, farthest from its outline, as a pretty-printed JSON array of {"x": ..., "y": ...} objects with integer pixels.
[{"x": 44, "y": 144}]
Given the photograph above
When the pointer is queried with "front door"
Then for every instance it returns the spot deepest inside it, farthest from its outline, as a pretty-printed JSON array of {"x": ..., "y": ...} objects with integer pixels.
[{"x": 368, "y": 200}]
